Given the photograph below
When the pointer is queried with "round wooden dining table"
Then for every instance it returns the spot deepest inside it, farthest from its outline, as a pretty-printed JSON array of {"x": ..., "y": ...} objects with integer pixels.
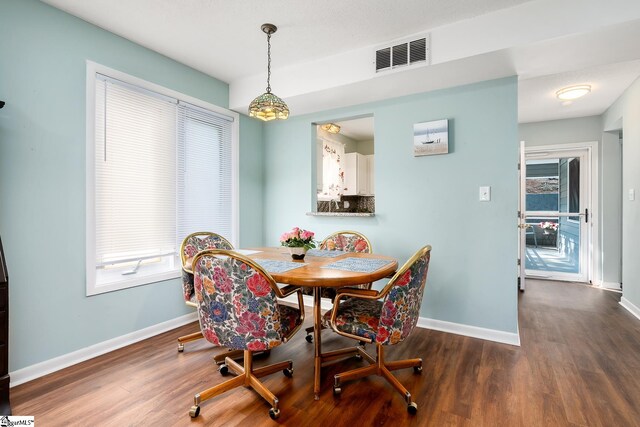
[{"x": 313, "y": 275}]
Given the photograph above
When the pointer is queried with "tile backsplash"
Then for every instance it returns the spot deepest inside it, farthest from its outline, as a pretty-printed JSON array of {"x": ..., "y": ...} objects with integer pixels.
[{"x": 359, "y": 204}]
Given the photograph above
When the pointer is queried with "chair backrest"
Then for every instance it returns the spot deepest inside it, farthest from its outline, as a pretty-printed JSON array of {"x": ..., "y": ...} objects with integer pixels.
[
  {"x": 403, "y": 297},
  {"x": 237, "y": 305},
  {"x": 348, "y": 241},
  {"x": 191, "y": 245},
  {"x": 200, "y": 241}
]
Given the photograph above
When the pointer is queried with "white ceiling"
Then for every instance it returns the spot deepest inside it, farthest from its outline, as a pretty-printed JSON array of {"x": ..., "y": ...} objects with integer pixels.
[
  {"x": 322, "y": 51},
  {"x": 223, "y": 38},
  {"x": 360, "y": 129}
]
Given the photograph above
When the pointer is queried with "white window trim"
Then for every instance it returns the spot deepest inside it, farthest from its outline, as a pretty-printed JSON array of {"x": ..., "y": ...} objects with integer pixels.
[{"x": 93, "y": 69}]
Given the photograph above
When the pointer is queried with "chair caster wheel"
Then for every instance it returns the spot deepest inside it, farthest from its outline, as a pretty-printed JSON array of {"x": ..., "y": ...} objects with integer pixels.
[
  {"x": 194, "y": 411},
  {"x": 274, "y": 413},
  {"x": 337, "y": 391},
  {"x": 224, "y": 370},
  {"x": 288, "y": 372},
  {"x": 180, "y": 347},
  {"x": 412, "y": 408},
  {"x": 309, "y": 338},
  {"x": 417, "y": 369},
  {"x": 358, "y": 356}
]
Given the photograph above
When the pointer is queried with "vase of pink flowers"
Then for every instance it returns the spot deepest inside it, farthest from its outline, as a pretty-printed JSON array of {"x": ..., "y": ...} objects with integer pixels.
[{"x": 298, "y": 241}]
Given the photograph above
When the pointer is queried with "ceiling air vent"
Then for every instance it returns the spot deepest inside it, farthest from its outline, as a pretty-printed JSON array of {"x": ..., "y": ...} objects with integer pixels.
[
  {"x": 399, "y": 54},
  {"x": 383, "y": 58},
  {"x": 406, "y": 53}
]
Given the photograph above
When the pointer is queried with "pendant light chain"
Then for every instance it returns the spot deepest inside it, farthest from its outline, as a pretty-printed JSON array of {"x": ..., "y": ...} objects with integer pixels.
[{"x": 269, "y": 62}]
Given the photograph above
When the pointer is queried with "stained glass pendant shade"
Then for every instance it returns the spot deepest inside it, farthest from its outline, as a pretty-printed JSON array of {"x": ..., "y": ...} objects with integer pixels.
[{"x": 268, "y": 106}]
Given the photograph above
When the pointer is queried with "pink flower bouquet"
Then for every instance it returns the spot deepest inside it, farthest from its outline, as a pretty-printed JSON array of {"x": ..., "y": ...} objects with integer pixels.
[{"x": 298, "y": 238}]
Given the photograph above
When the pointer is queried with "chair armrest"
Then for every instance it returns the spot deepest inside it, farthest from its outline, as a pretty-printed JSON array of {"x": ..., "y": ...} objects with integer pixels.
[
  {"x": 354, "y": 293},
  {"x": 357, "y": 293},
  {"x": 288, "y": 290}
]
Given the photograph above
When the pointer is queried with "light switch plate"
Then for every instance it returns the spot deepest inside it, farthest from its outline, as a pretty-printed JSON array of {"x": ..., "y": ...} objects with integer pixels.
[
  {"x": 632, "y": 194},
  {"x": 485, "y": 194}
]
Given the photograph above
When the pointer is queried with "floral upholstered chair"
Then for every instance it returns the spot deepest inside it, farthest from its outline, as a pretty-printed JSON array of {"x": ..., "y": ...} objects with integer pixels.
[
  {"x": 346, "y": 241},
  {"x": 238, "y": 308},
  {"x": 384, "y": 317},
  {"x": 191, "y": 245}
]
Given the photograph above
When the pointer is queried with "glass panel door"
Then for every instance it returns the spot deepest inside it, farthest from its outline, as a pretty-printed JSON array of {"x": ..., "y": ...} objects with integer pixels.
[{"x": 556, "y": 214}]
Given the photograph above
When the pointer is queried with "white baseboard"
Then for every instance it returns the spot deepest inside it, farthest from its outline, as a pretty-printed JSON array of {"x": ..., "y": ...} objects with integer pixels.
[
  {"x": 631, "y": 308},
  {"x": 611, "y": 285},
  {"x": 48, "y": 366},
  {"x": 470, "y": 331},
  {"x": 308, "y": 301}
]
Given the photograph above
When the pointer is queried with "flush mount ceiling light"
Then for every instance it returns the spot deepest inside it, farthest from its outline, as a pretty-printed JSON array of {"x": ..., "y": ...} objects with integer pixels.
[
  {"x": 331, "y": 127},
  {"x": 268, "y": 106},
  {"x": 573, "y": 92}
]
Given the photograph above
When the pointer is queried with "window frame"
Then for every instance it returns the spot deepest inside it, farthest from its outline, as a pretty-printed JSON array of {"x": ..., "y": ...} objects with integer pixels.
[{"x": 92, "y": 68}]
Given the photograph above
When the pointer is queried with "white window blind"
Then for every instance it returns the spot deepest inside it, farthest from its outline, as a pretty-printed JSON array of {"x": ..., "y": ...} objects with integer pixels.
[
  {"x": 163, "y": 168},
  {"x": 135, "y": 174},
  {"x": 204, "y": 172}
]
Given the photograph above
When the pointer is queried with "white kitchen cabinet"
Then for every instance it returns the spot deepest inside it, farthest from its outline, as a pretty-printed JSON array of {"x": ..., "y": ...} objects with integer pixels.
[
  {"x": 371, "y": 174},
  {"x": 357, "y": 175},
  {"x": 319, "y": 167}
]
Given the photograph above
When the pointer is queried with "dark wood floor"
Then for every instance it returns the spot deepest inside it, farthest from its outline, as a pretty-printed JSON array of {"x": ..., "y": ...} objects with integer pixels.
[{"x": 579, "y": 365}]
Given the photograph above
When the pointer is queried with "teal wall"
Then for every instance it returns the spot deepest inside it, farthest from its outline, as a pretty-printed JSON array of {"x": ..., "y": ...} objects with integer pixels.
[
  {"x": 423, "y": 200},
  {"x": 42, "y": 180},
  {"x": 251, "y": 182}
]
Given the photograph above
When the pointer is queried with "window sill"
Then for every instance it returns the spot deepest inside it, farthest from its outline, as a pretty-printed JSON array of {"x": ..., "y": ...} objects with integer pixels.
[{"x": 131, "y": 282}]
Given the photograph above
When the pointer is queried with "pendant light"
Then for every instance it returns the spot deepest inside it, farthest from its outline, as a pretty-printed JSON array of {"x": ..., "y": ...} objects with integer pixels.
[
  {"x": 268, "y": 106},
  {"x": 331, "y": 127}
]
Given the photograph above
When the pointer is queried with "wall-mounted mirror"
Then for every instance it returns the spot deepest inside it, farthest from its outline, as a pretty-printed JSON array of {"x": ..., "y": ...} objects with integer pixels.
[{"x": 345, "y": 166}]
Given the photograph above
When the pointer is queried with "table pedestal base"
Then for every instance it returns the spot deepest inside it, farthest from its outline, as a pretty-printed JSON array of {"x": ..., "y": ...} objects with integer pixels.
[{"x": 321, "y": 358}]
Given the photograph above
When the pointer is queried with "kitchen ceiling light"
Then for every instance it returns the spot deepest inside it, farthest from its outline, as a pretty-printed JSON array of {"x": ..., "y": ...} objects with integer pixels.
[
  {"x": 268, "y": 106},
  {"x": 573, "y": 92},
  {"x": 331, "y": 127}
]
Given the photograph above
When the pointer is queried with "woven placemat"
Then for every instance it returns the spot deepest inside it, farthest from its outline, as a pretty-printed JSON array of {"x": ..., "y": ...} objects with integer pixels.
[
  {"x": 363, "y": 265},
  {"x": 277, "y": 266}
]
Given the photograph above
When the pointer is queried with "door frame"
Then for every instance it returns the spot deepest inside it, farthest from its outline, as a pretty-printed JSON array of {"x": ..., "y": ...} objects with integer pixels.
[{"x": 593, "y": 256}]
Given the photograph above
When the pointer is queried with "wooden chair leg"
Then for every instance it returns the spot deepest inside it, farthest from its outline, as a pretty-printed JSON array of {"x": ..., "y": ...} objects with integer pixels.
[
  {"x": 354, "y": 374},
  {"x": 382, "y": 368},
  {"x": 264, "y": 392},
  {"x": 232, "y": 354},
  {"x": 385, "y": 373},
  {"x": 402, "y": 364},
  {"x": 187, "y": 338},
  {"x": 267, "y": 370},
  {"x": 247, "y": 376},
  {"x": 235, "y": 367},
  {"x": 218, "y": 389}
]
